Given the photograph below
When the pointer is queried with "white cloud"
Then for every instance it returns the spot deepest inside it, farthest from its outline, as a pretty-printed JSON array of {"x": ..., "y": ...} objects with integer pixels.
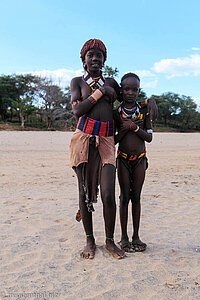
[
  {"x": 150, "y": 84},
  {"x": 179, "y": 66},
  {"x": 195, "y": 48},
  {"x": 147, "y": 78},
  {"x": 61, "y": 77},
  {"x": 143, "y": 73}
]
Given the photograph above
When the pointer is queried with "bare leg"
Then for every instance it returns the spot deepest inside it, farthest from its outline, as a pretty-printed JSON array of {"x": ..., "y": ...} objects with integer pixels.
[
  {"x": 89, "y": 250},
  {"x": 107, "y": 185},
  {"x": 124, "y": 182},
  {"x": 138, "y": 180}
]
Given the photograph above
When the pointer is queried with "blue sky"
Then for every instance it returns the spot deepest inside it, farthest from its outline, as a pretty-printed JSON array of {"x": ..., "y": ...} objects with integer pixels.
[{"x": 158, "y": 40}]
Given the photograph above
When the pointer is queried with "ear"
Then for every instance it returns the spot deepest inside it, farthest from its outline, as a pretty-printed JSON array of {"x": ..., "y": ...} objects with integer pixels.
[{"x": 84, "y": 65}]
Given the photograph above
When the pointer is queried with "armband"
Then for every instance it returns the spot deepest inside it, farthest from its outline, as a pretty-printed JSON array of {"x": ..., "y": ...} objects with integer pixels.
[
  {"x": 74, "y": 102},
  {"x": 98, "y": 93},
  {"x": 143, "y": 102},
  {"x": 149, "y": 131}
]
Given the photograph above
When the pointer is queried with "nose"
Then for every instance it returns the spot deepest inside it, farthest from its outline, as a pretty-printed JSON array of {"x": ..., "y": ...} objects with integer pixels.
[
  {"x": 95, "y": 58},
  {"x": 130, "y": 92}
]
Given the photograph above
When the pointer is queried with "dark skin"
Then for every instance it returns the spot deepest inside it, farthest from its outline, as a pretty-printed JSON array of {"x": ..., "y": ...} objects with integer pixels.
[
  {"x": 101, "y": 111},
  {"x": 132, "y": 143}
]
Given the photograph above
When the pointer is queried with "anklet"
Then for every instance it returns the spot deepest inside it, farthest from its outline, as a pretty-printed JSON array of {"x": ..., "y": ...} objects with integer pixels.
[
  {"x": 111, "y": 239},
  {"x": 89, "y": 235}
]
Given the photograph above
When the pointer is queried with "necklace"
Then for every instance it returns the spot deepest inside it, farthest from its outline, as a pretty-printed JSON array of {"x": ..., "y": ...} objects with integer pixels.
[
  {"x": 130, "y": 113},
  {"x": 94, "y": 83}
]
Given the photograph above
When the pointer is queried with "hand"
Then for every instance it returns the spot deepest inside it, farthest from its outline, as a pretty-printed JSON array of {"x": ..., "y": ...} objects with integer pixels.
[
  {"x": 110, "y": 93},
  {"x": 126, "y": 125},
  {"x": 138, "y": 122},
  {"x": 153, "y": 109}
]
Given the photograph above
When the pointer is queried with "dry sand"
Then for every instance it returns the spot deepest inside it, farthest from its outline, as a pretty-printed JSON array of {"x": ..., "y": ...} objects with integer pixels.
[{"x": 41, "y": 241}]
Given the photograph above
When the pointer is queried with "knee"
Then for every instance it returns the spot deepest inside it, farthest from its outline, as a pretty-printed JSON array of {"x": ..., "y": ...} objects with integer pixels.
[
  {"x": 135, "y": 197},
  {"x": 108, "y": 199},
  {"x": 124, "y": 199}
]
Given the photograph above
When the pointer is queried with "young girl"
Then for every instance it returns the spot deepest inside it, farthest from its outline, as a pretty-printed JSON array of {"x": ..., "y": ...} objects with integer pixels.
[{"x": 134, "y": 128}]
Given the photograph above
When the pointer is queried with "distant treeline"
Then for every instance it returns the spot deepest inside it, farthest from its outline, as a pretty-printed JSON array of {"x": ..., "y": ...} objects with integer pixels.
[{"x": 37, "y": 102}]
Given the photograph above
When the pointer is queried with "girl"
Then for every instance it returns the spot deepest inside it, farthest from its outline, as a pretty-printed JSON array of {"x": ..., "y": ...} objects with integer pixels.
[{"x": 134, "y": 128}]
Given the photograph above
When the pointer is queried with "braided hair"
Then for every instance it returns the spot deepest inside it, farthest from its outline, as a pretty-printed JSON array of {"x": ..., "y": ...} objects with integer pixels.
[{"x": 91, "y": 44}]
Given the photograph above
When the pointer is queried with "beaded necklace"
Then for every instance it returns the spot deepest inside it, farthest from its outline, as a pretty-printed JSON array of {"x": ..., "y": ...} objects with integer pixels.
[
  {"x": 130, "y": 113},
  {"x": 94, "y": 83}
]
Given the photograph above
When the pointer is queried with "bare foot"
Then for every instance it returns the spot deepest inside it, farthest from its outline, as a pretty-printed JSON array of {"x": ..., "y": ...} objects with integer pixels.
[
  {"x": 114, "y": 250},
  {"x": 126, "y": 245},
  {"x": 138, "y": 245},
  {"x": 89, "y": 250}
]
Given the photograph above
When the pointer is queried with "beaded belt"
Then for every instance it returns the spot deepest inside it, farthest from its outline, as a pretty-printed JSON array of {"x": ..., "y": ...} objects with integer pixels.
[
  {"x": 128, "y": 156},
  {"x": 94, "y": 127}
]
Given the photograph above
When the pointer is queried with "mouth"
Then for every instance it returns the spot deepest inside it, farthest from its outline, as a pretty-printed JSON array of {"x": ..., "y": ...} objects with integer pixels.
[
  {"x": 95, "y": 65},
  {"x": 131, "y": 98}
]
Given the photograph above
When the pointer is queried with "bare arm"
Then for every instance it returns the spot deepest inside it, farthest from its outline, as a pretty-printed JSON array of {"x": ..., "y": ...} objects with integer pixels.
[
  {"x": 153, "y": 109},
  {"x": 146, "y": 135},
  {"x": 129, "y": 125},
  {"x": 119, "y": 135},
  {"x": 81, "y": 107}
]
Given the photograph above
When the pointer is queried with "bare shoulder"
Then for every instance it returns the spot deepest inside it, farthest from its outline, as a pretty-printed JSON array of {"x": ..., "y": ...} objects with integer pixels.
[
  {"x": 75, "y": 87},
  {"x": 75, "y": 82}
]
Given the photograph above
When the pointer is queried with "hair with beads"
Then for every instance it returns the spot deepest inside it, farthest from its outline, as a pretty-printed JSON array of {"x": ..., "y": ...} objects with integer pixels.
[
  {"x": 130, "y": 75},
  {"x": 91, "y": 44}
]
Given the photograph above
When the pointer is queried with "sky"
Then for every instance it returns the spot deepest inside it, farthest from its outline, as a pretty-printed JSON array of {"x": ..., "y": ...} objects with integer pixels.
[{"x": 158, "y": 40}]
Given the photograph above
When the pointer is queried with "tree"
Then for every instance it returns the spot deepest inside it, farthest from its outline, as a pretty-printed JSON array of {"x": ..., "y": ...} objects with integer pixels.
[
  {"x": 167, "y": 107},
  {"x": 110, "y": 72},
  {"x": 56, "y": 108},
  {"x": 7, "y": 94},
  {"x": 16, "y": 92},
  {"x": 187, "y": 111}
]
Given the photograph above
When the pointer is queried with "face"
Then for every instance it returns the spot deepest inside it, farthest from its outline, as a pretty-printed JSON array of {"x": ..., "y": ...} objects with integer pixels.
[
  {"x": 94, "y": 60},
  {"x": 130, "y": 89}
]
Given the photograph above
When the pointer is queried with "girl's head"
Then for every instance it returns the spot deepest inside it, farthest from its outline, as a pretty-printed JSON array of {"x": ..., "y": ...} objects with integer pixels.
[
  {"x": 93, "y": 44},
  {"x": 130, "y": 87}
]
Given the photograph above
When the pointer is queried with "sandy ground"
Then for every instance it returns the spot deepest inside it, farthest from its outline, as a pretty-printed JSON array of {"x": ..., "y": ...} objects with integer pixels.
[{"x": 41, "y": 241}]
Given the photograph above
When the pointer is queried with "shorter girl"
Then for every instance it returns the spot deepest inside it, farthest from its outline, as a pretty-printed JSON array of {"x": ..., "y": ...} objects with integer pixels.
[{"x": 134, "y": 128}]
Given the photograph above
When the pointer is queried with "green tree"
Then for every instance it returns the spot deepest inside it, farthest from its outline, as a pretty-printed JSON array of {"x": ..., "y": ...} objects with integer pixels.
[
  {"x": 167, "y": 107},
  {"x": 110, "y": 72},
  {"x": 16, "y": 93},
  {"x": 7, "y": 94},
  {"x": 187, "y": 111}
]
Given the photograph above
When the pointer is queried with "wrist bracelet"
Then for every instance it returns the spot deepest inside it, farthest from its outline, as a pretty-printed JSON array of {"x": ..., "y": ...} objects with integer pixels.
[
  {"x": 102, "y": 89},
  {"x": 131, "y": 125},
  {"x": 136, "y": 130},
  {"x": 96, "y": 95}
]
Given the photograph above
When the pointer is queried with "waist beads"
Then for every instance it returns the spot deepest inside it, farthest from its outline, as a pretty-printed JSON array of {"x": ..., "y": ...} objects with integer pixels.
[
  {"x": 95, "y": 127},
  {"x": 128, "y": 156}
]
